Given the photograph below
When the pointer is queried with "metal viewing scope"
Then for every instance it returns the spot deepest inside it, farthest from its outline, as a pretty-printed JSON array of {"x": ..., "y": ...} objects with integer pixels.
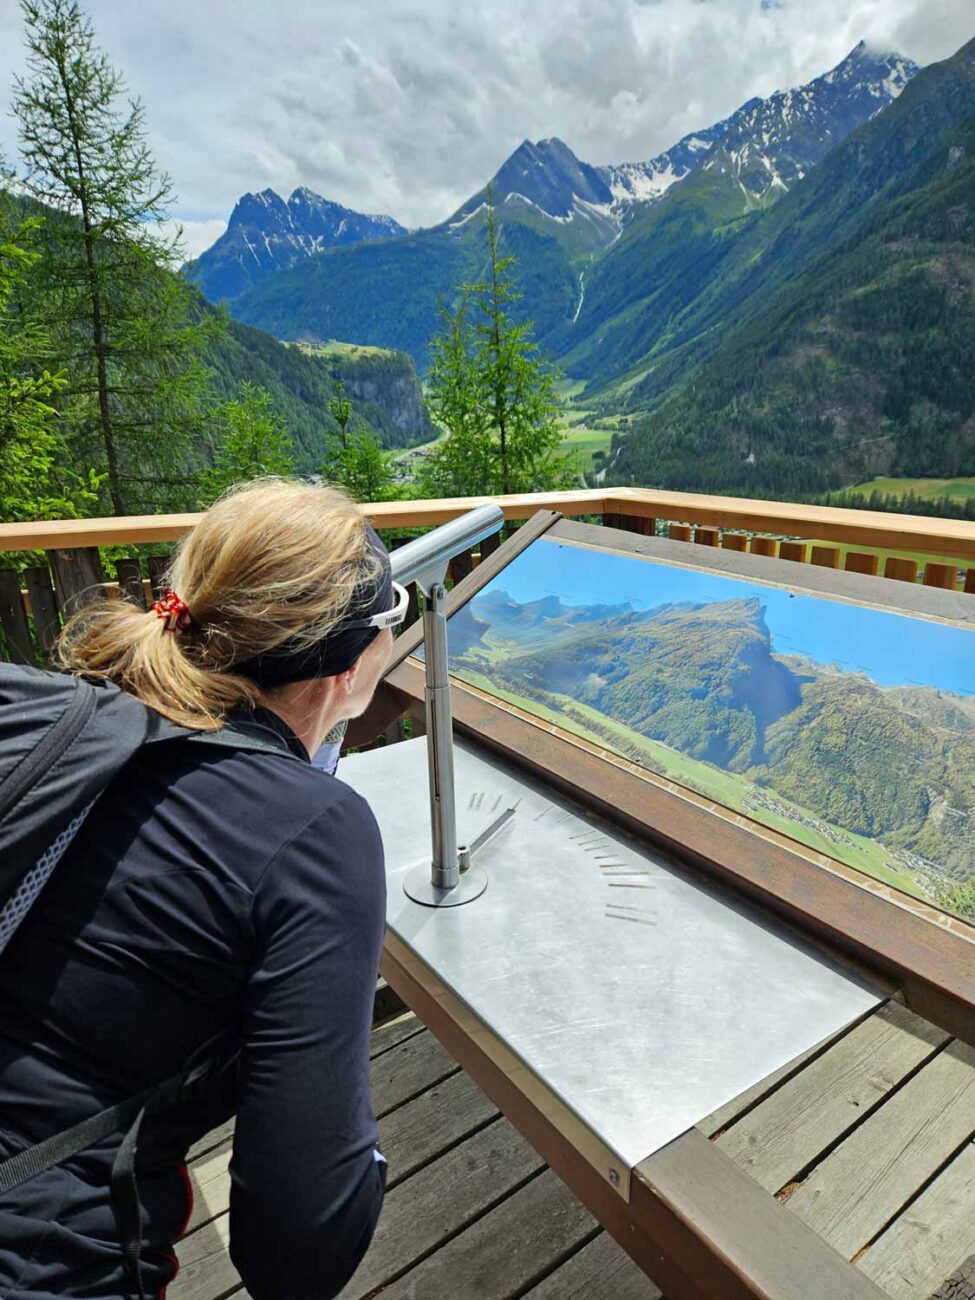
[
  {"x": 426, "y": 558},
  {"x": 452, "y": 877}
]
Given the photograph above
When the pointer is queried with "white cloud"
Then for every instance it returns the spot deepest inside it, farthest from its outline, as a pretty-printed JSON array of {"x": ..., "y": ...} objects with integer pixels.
[
  {"x": 195, "y": 236},
  {"x": 408, "y": 106}
]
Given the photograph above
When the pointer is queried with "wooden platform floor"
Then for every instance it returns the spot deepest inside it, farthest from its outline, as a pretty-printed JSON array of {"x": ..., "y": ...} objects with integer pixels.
[{"x": 869, "y": 1139}]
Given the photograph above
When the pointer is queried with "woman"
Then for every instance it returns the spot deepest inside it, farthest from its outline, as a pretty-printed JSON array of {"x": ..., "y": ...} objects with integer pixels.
[{"x": 214, "y": 893}]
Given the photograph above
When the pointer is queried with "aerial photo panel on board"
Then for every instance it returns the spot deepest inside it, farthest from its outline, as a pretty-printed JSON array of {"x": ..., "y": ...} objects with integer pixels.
[{"x": 848, "y": 728}]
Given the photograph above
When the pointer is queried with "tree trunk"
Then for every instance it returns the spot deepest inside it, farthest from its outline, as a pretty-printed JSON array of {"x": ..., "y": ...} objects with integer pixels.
[{"x": 97, "y": 323}]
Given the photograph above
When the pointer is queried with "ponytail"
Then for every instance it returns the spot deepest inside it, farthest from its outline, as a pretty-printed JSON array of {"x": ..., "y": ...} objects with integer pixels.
[{"x": 274, "y": 561}]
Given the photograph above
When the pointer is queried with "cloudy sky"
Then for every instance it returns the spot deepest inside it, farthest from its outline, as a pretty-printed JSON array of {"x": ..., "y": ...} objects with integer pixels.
[{"x": 409, "y": 106}]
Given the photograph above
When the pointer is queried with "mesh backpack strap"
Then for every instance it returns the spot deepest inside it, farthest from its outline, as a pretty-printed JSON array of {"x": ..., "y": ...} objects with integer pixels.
[
  {"x": 62, "y": 740},
  {"x": 17, "y": 907}
]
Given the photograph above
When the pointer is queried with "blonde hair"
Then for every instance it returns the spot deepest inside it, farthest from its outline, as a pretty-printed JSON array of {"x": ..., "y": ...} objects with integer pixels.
[{"x": 274, "y": 561}]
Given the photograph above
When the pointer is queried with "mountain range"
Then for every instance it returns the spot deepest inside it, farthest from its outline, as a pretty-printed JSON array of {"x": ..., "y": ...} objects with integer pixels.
[
  {"x": 560, "y": 216},
  {"x": 698, "y": 292}
]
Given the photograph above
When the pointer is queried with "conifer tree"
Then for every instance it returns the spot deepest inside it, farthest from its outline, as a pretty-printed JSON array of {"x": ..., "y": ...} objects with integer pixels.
[
  {"x": 121, "y": 324},
  {"x": 363, "y": 469},
  {"x": 340, "y": 409},
  {"x": 493, "y": 394},
  {"x": 34, "y": 481},
  {"x": 252, "y": 442}
]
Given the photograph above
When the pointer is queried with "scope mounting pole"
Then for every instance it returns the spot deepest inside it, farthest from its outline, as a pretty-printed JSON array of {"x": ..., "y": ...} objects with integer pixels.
[{"x": 452, "y": 877}]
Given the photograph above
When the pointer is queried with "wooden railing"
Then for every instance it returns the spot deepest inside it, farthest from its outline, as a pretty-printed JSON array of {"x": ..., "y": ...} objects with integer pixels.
[{"x": 938, "y": 552}]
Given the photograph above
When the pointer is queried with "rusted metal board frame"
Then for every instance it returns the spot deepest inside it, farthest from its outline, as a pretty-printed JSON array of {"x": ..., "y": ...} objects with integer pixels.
[
  {"x": 695, "y": 1222},
  {"x": 933, "y": 965}
]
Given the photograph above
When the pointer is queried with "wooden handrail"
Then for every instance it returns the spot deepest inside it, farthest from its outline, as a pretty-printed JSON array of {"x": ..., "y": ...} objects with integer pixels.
[
  {"x": 919, "y": 533},
  {"x": 925, "y": 533}
]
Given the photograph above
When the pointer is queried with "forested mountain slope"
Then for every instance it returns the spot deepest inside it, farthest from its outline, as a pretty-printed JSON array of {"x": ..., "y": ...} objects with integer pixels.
[
  {"x": 750, "y": 261},
  {"x": 860, "y": 365},
  {"x": 388, "y": 294},
  {"x": 383, "y": 387}
]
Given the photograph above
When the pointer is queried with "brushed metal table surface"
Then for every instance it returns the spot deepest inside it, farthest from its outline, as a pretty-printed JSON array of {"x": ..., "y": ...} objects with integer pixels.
[{"x": 639, "y": 998}]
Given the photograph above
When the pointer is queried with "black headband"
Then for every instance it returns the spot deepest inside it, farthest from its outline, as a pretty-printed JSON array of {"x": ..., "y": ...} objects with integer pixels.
[{"x": 343, "y": 645}]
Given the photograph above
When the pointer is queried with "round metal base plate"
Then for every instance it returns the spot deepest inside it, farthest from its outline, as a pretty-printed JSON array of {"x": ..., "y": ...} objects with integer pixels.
[{"x": 421, "y": 889}]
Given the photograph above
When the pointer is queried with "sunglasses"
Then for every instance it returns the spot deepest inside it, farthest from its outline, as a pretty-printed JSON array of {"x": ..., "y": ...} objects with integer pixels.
[{"x": 388, "y": 618}]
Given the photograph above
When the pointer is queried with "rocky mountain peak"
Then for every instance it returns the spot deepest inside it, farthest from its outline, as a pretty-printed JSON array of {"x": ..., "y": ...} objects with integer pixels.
[{"x": 266, "y": 234}]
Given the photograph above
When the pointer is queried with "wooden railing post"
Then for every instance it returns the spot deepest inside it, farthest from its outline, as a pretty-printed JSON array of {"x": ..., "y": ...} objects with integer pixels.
[
  {"x": 129, "y": 575},
  {"x": 44, "y": 607},
  {"x": 158, "y": 564},
  {"x": 899, "y": 569},
  {"x": 78, "y": 577},
  {"x": 794, "y": 551},
  {"x": 768, "y": 546},
  {"x": 827, "y": 557},
  {"x": 862, "y": 562},
  {"x": 489, "y": 545},
  {"x": 461, "y": 565},
  {"x": 13, "y": 619},
  {"x": 940, "y": 575}
]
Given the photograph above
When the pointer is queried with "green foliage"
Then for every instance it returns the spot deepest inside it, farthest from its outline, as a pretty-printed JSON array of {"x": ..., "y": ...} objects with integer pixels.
[
  {"x": 340, "y": 409},
  {"x": 363, "y": 470},
  {"x": 904, "y": 503},
  {"x": 34, "y": 482},
  {"x": 959, "y": 898},
  {"x": 252, "y": 442},
  {"x": 119, "y": 322},
  {"x": 494, "y": 395},
  {"x": 382, "y": 386}
]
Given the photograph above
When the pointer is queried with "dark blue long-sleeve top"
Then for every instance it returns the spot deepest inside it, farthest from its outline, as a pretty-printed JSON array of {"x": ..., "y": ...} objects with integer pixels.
[{"x": 209, "y": 890}]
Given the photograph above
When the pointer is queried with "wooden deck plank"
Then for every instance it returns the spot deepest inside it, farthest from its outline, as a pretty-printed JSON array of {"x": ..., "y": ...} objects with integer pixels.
[
  {"x": 210, "y": 1181},
  {"x": 727, "y": 1114},
  {"x": 503, "y": 1253},
  {"x": 866, "y": 1181},
  {"x": 388, "y": 1035},
  {"x": 416, "y": 1132},
  {"x": 412, "y": 1134},
  {"x": 205, "y": 1270},
  {"x": 441, "y": 1200},
  {"x": 219, "y": 1136},
  {"x": 932, "y": 1239},
  {"x": 784, "y": 1135},
  {"x": 415, "y": 1065},
  {"x": 600, "y": 1271}
]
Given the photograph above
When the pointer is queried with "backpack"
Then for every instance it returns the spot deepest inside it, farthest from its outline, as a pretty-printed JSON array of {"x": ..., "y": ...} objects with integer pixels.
[{"x": 62, "y": 741}]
